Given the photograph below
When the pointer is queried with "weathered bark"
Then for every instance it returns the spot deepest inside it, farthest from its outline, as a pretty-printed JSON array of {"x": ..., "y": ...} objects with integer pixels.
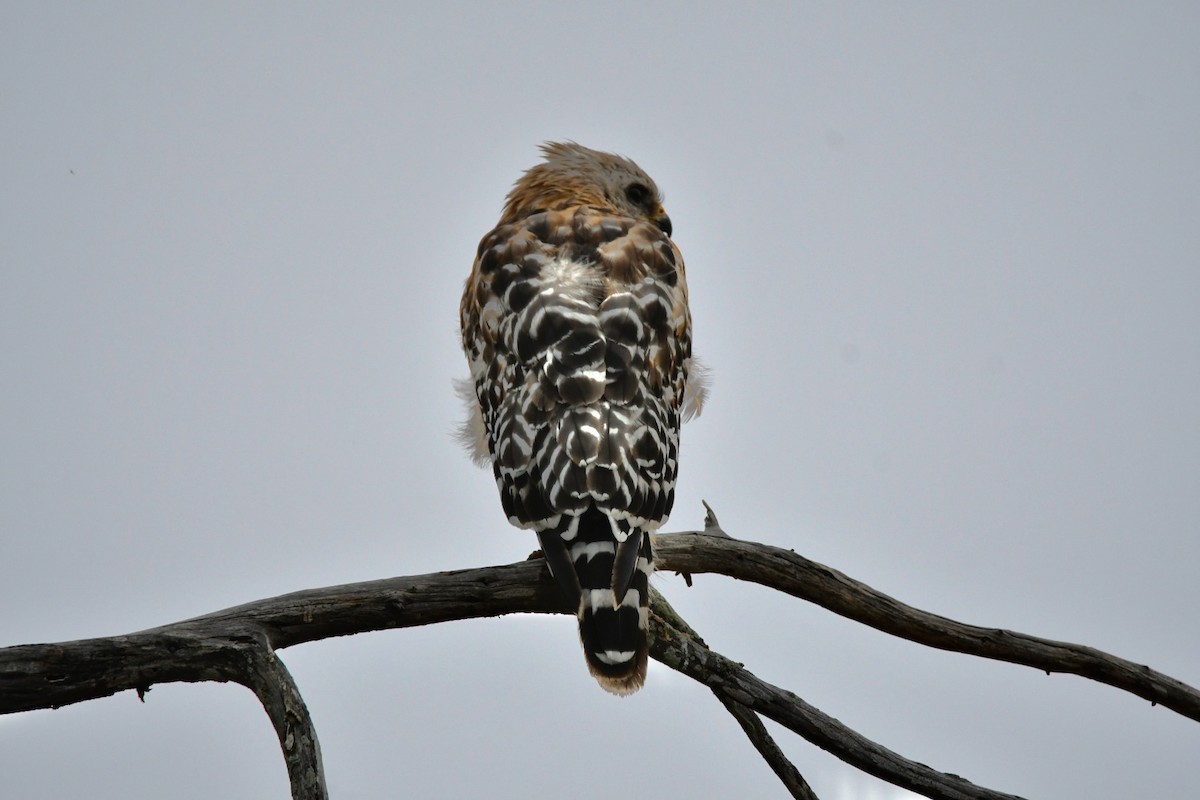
[
  {"x": 238, "y": 644},
  {"x": 680, "y": 649},
  {"x": 793, "y": 574}
]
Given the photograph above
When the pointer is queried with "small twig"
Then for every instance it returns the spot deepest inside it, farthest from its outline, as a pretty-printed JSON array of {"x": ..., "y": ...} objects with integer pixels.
[{"x": 712, "y": 526}]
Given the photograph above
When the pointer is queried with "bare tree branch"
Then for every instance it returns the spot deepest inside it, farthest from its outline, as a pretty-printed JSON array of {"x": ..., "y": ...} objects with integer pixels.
[
  {"x": 785, "y": 571},
  {"x": 752, "y": 726},
  {"x": 280, "y": 697},
  {"x": 238, "y": 644},
  {"x": 208, "y": 648},
  {"x": 757, "y": 733},
  {"x": 677, "y": 646}
]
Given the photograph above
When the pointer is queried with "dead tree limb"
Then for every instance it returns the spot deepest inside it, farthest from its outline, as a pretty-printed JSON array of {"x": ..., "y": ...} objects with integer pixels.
[
  {"x": 280, "y": 698},
  {"x": 678, "y": 648},
  {"x": 757, "y": 733},
  {"x": 210, "y": 647},
  {"x": 667, "y": 649},
  {"x": 785, "y": 571},
  {"x": 238, "y": 645}
]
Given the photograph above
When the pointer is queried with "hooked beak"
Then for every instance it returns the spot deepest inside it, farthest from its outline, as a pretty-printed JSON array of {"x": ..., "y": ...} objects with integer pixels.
[{"x": 662, "y": 221}]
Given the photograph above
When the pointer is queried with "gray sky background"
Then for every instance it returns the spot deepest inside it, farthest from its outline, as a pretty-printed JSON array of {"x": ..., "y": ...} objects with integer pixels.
[{"x": 944, "y": 263}]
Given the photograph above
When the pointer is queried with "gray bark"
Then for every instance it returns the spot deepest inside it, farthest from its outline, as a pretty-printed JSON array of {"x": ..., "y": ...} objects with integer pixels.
[{"x": 239, "y": 645}]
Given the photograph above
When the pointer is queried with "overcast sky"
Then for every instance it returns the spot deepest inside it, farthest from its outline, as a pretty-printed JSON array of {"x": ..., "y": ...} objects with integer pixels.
[{"x": 944, "y": 263}]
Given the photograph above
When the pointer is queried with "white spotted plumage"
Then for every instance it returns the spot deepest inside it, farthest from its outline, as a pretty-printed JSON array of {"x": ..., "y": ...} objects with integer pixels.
[{"x": 576, "y": 327}]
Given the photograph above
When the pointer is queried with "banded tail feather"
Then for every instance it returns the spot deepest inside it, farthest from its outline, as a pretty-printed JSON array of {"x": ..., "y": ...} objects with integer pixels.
[{"x": 605, "y": 565}]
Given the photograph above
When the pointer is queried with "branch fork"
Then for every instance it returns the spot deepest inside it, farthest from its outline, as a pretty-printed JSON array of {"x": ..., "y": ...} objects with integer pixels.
[{"x": 240, "y": 645}]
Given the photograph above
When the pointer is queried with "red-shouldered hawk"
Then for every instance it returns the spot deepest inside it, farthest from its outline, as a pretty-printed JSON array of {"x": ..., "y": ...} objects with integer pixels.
[{"x": 575, "y": 323}]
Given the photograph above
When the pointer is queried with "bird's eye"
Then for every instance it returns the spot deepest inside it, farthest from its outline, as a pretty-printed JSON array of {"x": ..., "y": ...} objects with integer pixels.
[{"x": 637, "y": 193}]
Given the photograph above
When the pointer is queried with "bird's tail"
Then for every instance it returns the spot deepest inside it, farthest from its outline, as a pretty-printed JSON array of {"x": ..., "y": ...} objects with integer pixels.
[{"x": 611, "y": 578}]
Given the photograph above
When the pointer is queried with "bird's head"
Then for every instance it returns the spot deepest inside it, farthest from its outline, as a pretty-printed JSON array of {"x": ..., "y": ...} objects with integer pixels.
[{"x": 576, "y": 175}]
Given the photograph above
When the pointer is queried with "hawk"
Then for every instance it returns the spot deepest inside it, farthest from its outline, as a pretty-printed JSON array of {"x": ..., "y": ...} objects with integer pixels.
[{"x": 576, "y": 326}]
